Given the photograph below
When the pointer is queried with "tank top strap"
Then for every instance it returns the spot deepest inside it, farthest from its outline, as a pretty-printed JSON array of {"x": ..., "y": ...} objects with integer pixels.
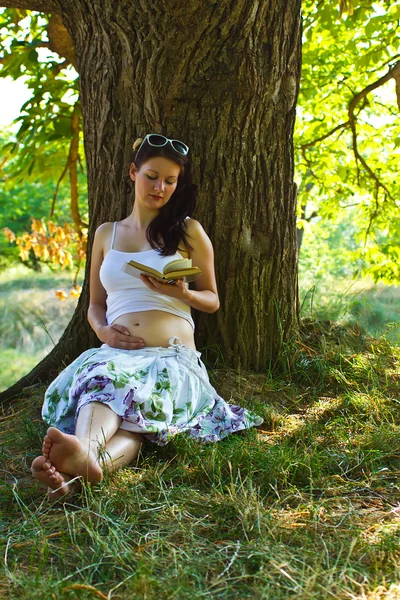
[{"x": 113, "y": 235}]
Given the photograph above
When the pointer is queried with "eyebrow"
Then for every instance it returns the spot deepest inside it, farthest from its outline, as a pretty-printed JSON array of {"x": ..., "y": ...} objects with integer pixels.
[{"x": 159, "y": 173}]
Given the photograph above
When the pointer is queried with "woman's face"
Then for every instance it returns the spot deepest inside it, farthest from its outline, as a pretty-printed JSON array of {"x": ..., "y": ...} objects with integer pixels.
[{"x": 155, "y": 181}]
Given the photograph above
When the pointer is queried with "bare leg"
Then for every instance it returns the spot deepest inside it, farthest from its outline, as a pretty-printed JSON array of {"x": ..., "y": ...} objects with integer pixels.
[
  {"x": 121, "y": 449},
  {"x": 78, "y": 454}
]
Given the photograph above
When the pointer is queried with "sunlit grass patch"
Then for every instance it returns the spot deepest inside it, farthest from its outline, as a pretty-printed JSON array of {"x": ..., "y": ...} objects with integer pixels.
[
  {"x": 15, "y": 363},
  {"x": 305, "y": 506},
  {"x": 32, "y": 319},
  {"x": 374, "y": 308},
  {"x": 22, "y": 278}
]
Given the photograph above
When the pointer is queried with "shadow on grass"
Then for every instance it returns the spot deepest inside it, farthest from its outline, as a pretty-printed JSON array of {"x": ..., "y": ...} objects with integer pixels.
[{"x": 285, "y": 510}]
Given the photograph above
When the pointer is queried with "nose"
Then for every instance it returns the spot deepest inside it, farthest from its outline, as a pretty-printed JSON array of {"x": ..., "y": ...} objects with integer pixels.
[{"x": 159, "y": 185}]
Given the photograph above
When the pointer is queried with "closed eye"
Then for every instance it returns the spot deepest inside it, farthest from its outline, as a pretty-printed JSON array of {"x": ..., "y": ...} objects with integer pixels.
[{"x": 153, "y": 178}]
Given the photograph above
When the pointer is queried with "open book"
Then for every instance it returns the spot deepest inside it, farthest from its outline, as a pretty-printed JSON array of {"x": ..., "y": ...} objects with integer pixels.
[{"x": 176, "y": 269}]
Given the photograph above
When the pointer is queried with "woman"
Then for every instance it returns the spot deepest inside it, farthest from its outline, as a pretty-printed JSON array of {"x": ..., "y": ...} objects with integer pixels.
[{"x": 146, "y": 380}]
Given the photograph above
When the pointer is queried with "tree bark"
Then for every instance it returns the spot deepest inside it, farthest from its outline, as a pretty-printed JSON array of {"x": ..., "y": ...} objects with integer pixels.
[{"x": 224, "y": 77}]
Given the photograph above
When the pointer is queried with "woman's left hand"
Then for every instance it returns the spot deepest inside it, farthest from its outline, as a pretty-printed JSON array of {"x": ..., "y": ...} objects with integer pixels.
[{"x": 178, "y": 290}]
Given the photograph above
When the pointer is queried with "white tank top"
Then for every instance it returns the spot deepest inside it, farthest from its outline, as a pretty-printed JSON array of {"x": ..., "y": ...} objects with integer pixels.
[{"x": 127, "y": 294}]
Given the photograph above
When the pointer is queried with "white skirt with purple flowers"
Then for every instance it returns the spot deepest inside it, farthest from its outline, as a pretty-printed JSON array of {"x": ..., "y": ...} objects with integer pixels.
[{"x": 156, "y": 391}]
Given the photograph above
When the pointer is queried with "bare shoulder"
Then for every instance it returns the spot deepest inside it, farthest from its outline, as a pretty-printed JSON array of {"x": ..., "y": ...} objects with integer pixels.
[
  {"x": 195, "y": 229},
  {"x": 104, "y": 230},
  {"x": 202, "y": 255},
  {"x": 198, "y": 239},
  {"x": 103, "y": 235}
]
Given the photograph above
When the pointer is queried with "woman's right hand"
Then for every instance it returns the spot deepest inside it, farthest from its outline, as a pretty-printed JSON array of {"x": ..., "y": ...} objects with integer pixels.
[{"x": 118, "y": 336}]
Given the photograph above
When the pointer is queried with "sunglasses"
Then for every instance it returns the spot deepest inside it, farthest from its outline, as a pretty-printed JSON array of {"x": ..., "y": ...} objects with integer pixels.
[{"x": 158, "y": 141}]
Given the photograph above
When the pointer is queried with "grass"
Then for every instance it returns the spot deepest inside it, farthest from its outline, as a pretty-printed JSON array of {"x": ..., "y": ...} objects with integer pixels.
[
  {"x": 31, "y": 318},
  {"x": 14, "y": 363},
  {"x": 306, "y": 506},
  {"x": 376, "y": 308}
]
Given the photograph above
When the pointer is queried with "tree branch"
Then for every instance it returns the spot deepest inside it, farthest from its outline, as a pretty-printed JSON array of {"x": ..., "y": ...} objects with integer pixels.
[
  {"x": 372, "y": 216},
  {"x": 309, "y": 165},
  {"x": 60, "y": 40},
  {"x": 73, "y": 171},
  {"x": 323, "y": 137},
  {"x": 46, "y": 6},
  {"x": 53, "y": 204},
  {"x": 393, "y": 73}
]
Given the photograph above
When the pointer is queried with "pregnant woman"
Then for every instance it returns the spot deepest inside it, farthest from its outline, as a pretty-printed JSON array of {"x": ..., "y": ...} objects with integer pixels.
[{"x": 146, "y": 381}]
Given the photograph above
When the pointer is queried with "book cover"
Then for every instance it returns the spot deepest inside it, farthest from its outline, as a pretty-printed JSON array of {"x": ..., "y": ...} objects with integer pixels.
[{"x": 176, "y": 269}]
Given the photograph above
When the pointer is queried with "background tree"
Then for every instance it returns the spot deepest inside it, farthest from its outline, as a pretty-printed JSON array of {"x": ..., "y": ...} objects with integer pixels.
[
  {"x": 348, "y": 129},
  {"x": 47, "y": 144},
  {"x": 343, "y": 165},
  {"x": 225, "y": 78}
]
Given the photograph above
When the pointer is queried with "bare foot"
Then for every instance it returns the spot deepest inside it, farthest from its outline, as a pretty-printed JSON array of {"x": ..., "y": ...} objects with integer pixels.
[
  {"x": 46, "y": 446},
  {"x": 68, "y": 455},
  {"x": 43, "y": 471}
]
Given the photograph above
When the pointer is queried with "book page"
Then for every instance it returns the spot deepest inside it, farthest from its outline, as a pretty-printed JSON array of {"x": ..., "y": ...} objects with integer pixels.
[{"x": 181, "y": 263}]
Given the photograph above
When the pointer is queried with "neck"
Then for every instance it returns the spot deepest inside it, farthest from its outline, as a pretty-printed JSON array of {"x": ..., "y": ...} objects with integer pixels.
[{"x": 140, "y": 218}]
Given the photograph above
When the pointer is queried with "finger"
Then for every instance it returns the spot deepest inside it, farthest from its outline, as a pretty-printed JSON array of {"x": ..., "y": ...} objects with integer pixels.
[
  {"x": 131, "y": 342},
  {"x": 129, "y": 339},
  {"x": 130, "y": 345},
  {"x": 146, "y": 281},
  {"x": 159, "y": 285},
  {"x": 120, "y": 329}
]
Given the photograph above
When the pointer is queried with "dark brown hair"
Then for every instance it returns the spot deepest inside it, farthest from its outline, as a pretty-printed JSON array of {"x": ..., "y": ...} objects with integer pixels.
[{"x": 168, "y": 229}]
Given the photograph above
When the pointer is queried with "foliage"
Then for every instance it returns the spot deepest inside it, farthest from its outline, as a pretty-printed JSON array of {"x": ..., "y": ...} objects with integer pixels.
[
  {"x": 48, "y": 142},
  {"x": 328, "y": 289},
  {"x": 348, "y": 134},
  {"x": 44, "y": 133},
  {"x": 19, "y": 201},
  {"x": 49, "y": 243}
]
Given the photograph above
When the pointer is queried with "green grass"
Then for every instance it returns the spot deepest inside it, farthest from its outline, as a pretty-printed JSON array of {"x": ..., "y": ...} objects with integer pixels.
[
  {"x": 14, "y": 364},
  {"x": 376, "y": 308},
  {"x": 31, "y": 318},
  {"x": 306, "y": 506}
]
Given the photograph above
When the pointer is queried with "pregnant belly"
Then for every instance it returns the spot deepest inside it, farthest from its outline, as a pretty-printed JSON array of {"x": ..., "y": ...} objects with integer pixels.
[{"x": 156, "y": 327}]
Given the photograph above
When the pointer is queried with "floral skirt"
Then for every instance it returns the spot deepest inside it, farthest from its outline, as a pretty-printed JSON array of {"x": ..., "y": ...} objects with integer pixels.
[{"x": 158, "y": 392}]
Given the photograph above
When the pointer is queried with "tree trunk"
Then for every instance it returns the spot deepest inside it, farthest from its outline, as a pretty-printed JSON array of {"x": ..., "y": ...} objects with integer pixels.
[{"x": 222, "y": 76}]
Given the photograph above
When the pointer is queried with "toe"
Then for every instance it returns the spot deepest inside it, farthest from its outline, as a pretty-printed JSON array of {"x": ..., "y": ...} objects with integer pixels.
[
  {"x": 55, "y": 435},
  {"x": 56, "y": 476},
  {"x": 37, "y": 464}
]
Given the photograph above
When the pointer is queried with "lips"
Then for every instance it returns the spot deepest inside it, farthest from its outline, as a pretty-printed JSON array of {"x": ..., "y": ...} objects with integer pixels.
[{"x": 158, "y": 197}]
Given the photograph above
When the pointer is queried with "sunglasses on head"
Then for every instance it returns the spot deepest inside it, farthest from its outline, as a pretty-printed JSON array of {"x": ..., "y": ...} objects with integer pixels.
[{"x": 158, "y": 141}]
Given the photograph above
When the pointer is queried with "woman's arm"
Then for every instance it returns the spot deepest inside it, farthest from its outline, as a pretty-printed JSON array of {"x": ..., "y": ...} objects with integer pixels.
[
  {"x": 115, "y": 336},
  {"x": 97, "y": 302},
  {"x": 205, "y": 296}
]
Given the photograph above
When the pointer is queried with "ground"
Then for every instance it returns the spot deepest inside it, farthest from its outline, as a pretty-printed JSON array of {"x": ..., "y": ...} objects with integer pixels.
[{"x": 306, "y": 506}]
